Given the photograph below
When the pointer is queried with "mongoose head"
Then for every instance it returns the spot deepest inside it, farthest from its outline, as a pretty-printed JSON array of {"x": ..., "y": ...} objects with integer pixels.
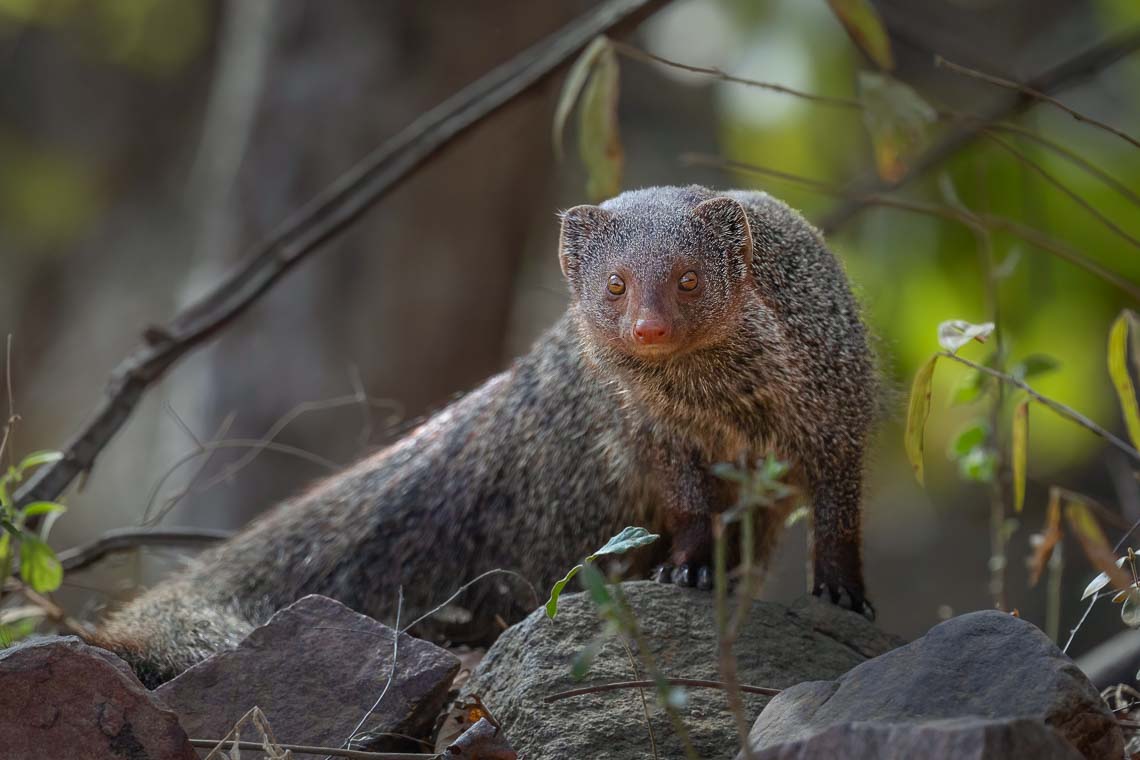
[{"x": 660, "y": 272}]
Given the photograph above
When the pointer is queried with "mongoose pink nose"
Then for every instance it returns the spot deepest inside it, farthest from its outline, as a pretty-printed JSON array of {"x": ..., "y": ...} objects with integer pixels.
[{"x": 650, "y": 331}]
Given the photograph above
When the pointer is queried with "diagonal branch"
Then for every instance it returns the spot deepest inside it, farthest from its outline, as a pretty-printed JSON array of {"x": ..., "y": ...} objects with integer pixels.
[
  {"x": 321, "y": 220},
  {"x": 1064, "y": 74}
]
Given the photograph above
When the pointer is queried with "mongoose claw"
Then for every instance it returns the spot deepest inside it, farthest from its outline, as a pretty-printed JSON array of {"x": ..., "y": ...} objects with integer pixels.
[
  {"x": 685, "y": 575},
  {"x": 847, "y": 598},
  {"x": 663, "y": 573}
]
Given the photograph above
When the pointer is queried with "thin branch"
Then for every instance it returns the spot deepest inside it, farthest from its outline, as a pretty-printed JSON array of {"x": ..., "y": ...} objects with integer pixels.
[
  {"x": 1080, "y": 201},
  {"x": 1067, "y": 412},
  {"x": 1034, "y": 93},
  {"x": 695, "y": 682},
  {"x": 636, "y": 53},
  {"x": 307, "y": 749},
  {"x": 396, "y": 633},
  {"x": 53, "y": 611},
  {"x": 125, "y": 539},
  {"x": 1067, "y": 72},
  {"x": 467, "y": 585},
  {"x": 324, "y": 218},
  {"x": 972, "y": 220}
]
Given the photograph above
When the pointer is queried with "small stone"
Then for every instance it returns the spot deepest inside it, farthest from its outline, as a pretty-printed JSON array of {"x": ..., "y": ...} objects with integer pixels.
[
  {"x": 62, "y": 698},
  {"x": 315, "y": 669}
]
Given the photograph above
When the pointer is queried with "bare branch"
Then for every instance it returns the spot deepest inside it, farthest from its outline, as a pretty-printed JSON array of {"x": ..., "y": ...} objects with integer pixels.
[
  {"x": 1009, "y": 84},
  {"x": 695, "y": 682},
  {"x": 308, "y": 749},
  {"x": 124, "y": 539},
  {"x": 636, "y": 53},
  {"x": 975, "y": 221},
  {"x": 1063, "y": 74},
  {"x": 328, "y": 215},
  {"x": 1040, "y": 171}
]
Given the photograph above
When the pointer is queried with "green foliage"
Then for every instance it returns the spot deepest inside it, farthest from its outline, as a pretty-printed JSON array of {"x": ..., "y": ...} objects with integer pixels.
[
  {"x": 628, "y": 539},
  {"x": 39, "y": 567}
]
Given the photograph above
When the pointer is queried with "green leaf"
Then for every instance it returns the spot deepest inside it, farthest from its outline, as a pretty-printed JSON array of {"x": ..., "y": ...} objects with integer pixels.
[
  {"x": 1033, "y": 365},
  {"x": 37, "y": 458},
  {"x": 39, "y": 567},
  {"x": 599, "y": 141},
  {"x": 1121, "y": 379},
  {"x": 585, "y": 657},
  {"x": 979, "y": 465},
  {"x": 862, "y": 22},
  {"x": 970, "y": 437},
  {"x": 955, "y": 333},
  {"x": 897, "y": 120},
  {"x": 556, "y": 592},
  {"x": 1019, "y": 444},
  {"x": 917, "y": 411},
  {"x": 5, "y": 547},
  {"x": 629, "y": 538},
  {"x": 42, "y": 508},
  {"x": 798, "y": 514},
  {"x": 575, "y": 81}
]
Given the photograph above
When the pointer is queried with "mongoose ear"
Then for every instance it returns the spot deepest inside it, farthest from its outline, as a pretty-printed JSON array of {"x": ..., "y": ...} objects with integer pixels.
[
  {"x": 579, "y": 224},
  {"x": 726, "y": 222}
]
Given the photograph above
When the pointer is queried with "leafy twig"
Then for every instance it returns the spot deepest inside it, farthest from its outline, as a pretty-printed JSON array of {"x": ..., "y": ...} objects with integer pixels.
[{"x": 1065, "y": 411}]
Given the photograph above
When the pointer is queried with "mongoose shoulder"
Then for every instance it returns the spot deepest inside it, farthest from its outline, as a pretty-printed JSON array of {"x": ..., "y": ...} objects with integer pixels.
[{"x": 703, "y": 327}]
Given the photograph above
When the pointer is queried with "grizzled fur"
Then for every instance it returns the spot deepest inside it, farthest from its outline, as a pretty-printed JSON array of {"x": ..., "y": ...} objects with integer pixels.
[{"x": 587, "y": 433}]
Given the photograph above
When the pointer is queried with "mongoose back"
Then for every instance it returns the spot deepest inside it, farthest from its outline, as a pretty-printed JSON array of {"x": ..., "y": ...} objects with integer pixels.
[{"x": 703, "y": 327}]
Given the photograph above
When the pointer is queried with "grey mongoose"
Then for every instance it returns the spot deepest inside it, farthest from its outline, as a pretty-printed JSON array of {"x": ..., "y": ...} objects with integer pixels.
[{"x": 703, "y": 327}]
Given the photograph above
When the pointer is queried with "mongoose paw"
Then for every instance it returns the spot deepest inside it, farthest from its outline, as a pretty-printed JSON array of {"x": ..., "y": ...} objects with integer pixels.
[
  {"x": 689, "y": 576},
  {"x": 847, "y": 598}
]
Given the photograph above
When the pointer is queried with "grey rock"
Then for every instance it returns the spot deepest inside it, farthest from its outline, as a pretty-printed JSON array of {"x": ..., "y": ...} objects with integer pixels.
[
  {"x": 778, "y": 646},
  {"x": 985, "y": 664},
  {"x": 61, "y": 698},
  {"x": 962, "y": 739},
  {"x": 315, "y": 669}
]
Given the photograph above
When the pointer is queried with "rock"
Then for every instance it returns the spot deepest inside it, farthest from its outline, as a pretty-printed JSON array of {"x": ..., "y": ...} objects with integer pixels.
[
  {"x": 315, "y": 669},
  {"x": 985, "y": 664},
  {"x": 778, "y": 646},
  {"x": 60, "y": 697},
  {"x": 962, "y": 739}
]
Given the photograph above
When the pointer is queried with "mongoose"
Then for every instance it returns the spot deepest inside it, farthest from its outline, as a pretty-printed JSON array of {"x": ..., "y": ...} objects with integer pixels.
[{"x": 703, "y": 327}]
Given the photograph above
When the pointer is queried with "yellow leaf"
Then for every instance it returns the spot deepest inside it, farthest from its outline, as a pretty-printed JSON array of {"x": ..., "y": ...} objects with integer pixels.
[
  {"x": 599, "y": 142},
  {"x": 1020, "y": 444},
  {"x": 898, "y": 121},
  {"x": 917, "y": 412},
  {"x": 1121, "y": 379},
  {"x": 575, "y": 81},
  {"x": 862, "y": 22},
  {"x": 1093, "y": 541}
]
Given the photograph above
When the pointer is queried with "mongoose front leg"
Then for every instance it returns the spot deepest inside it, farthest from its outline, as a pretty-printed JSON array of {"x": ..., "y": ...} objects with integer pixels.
[
  {"x": 689, "y": 498},
  {"x": 837, "y": 536}
]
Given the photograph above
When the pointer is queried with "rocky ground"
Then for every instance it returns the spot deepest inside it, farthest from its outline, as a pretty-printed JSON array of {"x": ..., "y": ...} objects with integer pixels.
[{"x": 982, "y": 685}]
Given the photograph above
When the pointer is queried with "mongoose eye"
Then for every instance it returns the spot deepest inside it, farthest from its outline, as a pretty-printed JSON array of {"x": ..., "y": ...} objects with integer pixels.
[
  {"x": 616, "y": 285},
  {"x": 688, "y": 281}
]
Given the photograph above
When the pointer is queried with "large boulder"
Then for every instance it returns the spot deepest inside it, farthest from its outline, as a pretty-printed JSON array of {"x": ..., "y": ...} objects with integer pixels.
[
  {"x": 982, "y": 665},
  {"x": 316, "y": 668},
  {"x": 61, "y": 698},
  {"x": 778, "y": 646},
  {"x": 964, "y": 739}
]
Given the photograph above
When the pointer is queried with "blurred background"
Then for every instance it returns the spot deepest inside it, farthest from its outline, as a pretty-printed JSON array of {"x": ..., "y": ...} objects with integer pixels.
[{"x": 145, "y": 145}]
